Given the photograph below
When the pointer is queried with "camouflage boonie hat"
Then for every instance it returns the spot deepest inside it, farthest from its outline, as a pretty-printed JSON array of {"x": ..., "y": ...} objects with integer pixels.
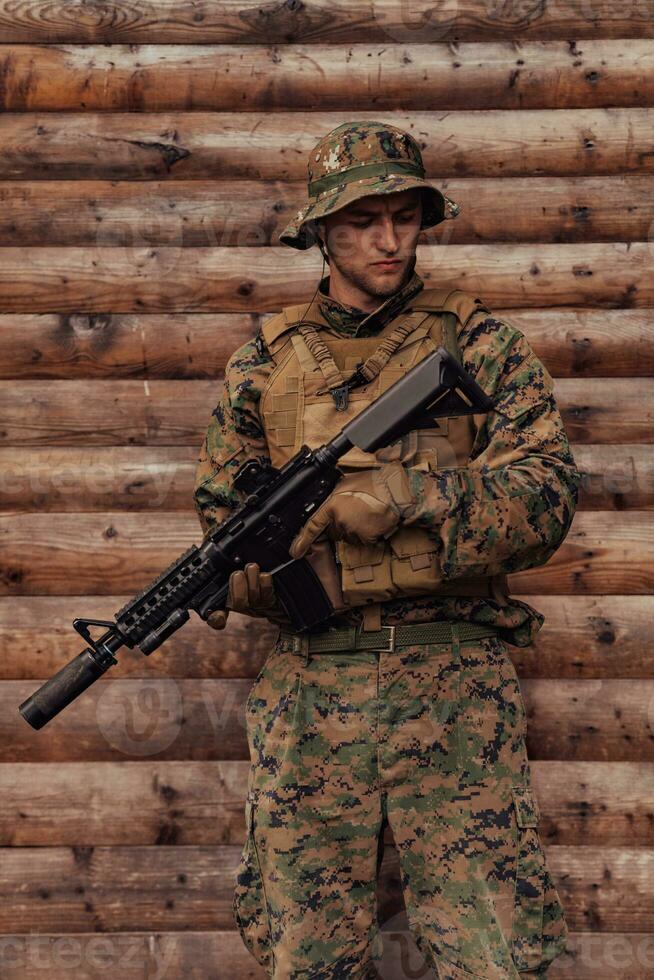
[{"x": 357, "y": 159}]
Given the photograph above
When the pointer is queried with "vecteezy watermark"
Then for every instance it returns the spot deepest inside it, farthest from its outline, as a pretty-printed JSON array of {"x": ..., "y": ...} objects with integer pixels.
[
  {"x": 85, "y": 474},
  {"x": 111, "y": 955},
  {"x": 140, "y": 716},
  {"x": 400, "y": 958},
  {"x": 152, "y": 240},
  {"x": 587, "y": 953}
]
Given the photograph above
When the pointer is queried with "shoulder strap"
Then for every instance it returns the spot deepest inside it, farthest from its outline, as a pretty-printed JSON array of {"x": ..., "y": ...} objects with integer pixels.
[
  {"x": 454, "y": 305},
  {"x": 457, "y": 301},
  {"x": 274, "y": 331}
]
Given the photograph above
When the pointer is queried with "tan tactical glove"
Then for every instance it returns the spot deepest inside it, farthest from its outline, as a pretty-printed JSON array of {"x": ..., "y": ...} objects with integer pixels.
[
  {"x": 251, "y": 592},
  {"x": 364, "y": 507}
]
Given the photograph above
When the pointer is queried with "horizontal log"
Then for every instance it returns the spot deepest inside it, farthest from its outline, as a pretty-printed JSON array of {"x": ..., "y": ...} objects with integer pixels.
[
  {"x": 324, "y": 21},
  {"x": 205, "y": 280},
  {"x": 591, "y": 343},
  {"x": 120, "y": 552},
  {"x": 168, "y": 413},
  {"x": 571, "y": 342},
  {"x": 136, "y": 146},
  {"x": 602, "y": 956},
  {"x": 615, "y": 477},
  {"x": 101, "y": 889},
  {"x": 87, "y": 414},
  {"x": 599, "y": 551},
  {"x": 76, "y": 480},
  {"x": 590, "y": 720},
  {"x": 604, "y": 636},
  {"x": 110, "y": 553},
  {"x": 202, "y": 803},
  {"x": 195, "y": 720},
  {"x": 87, "y": 479},
  {"x": 145, "y": 346},
  {"x": 138, "y": 78},
  {"x": 604, "y": 889},
  {"x": 37, "y": 639},
  {"x": 589, "y": 637},
  {"x": 598, "y": 803},
  {"x": 254, "y": 212}
]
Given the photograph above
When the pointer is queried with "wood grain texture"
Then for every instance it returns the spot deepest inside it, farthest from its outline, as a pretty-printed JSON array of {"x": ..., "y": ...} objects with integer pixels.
[
  {"x": 116, "y": 552},
  {"x": 136, "y": 478},
  {"x": 571, "y": 342},
  {"x": 253, "y": 212},
  {"x": 37, "y": 638},
  {"x": 275, "y": 146},
  {"x": 202, "y": 803},
  {"x": 114, "y": 888},
  {"x": 144, "y": 180},
  {"x": 589, "y": 343},
  {"x": 205, "y": 280},
  {"x": 351, "y": 78},
  {"x": 584, "y": 636},
  {"x": 599, "y": 549},
  {"x": 595, "y": 411},
  {"x": 134, "y": 345},
  {"x": 119, "y": 719},
  {"x": 217, "y": 954},
  {"x": 388, "y": 21}
]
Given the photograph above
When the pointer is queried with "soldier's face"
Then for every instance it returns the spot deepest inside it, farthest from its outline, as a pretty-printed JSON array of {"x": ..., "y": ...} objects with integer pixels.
[{"x": 372, "y": 241}]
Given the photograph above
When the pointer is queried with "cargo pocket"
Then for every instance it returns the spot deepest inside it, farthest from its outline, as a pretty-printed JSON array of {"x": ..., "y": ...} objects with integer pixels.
[
  {"x": 249, "y": 904},
  {"x": 539, "y": 928}
]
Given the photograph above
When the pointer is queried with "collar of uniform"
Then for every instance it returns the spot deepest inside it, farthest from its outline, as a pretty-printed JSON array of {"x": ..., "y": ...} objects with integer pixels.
[{"x": 353, "y": 322}]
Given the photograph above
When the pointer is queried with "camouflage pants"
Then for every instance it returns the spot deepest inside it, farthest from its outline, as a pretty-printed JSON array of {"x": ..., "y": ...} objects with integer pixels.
[{"x": 431, "y": 739}]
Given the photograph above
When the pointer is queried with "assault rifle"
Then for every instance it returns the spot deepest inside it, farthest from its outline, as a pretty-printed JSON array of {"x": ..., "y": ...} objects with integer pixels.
[{"x": 277, "y": 504}]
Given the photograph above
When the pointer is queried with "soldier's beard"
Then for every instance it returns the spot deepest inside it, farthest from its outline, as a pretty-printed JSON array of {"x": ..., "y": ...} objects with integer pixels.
[{"x": 368, "y": 283}]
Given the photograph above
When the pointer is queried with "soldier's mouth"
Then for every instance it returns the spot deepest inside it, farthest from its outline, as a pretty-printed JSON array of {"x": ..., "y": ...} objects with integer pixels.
[{"x": 391, "y": 264}]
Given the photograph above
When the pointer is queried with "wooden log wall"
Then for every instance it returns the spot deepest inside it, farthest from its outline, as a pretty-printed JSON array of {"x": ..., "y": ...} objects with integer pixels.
[{"x": 150, "y": 155}]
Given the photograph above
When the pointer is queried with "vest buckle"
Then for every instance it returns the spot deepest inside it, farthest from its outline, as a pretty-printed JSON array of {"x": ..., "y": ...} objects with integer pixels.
[{"x": 340, "y": 396}]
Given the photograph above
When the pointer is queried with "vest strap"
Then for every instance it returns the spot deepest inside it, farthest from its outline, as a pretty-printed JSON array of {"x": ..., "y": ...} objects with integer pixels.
[{"x": 337, "y": 385}]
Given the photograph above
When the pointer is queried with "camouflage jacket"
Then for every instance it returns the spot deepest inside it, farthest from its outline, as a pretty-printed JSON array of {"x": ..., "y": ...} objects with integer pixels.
[{"x": 509, "y": 509}]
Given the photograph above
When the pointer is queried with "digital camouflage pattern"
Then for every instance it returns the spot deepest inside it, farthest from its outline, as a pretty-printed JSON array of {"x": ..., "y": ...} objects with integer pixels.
[
  {"x": 431, "y": 739},
  {"x": 360, "y": 158},
  {"x": 509, "y": 509}
]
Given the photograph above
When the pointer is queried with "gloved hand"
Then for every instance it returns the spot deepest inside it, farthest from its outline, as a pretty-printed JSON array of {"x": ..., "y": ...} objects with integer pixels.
[
  {"x": 251, "y": 592},
  {"x": 363, "y": 507}
]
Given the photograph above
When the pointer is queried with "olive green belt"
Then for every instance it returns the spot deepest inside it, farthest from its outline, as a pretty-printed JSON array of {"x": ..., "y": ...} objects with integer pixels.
[{"x": 386, "y": 639}]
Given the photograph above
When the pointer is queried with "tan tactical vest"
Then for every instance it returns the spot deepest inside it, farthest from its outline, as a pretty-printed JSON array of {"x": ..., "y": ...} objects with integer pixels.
[{"x": 296, "y": 407}]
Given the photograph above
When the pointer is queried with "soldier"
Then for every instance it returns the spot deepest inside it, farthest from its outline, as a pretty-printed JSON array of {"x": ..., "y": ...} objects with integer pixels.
[{"x": 404, "y": 708}]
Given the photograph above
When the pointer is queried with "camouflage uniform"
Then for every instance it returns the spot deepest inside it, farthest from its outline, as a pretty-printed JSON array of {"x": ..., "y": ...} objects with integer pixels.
[{"x": 429, "y": 737}]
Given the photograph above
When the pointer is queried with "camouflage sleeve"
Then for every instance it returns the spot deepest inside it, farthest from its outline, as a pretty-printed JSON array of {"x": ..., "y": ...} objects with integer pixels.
[
  {"x": 512, "y": 505},
  {"x": 233, "y": 435}
]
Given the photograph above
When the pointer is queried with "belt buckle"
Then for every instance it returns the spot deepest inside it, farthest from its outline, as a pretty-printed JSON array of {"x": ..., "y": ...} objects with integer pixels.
[{"x": 391, "y": 640}]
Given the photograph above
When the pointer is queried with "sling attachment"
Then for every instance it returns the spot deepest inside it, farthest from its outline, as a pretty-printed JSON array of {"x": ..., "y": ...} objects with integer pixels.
[{"x": 337, "y": 385}]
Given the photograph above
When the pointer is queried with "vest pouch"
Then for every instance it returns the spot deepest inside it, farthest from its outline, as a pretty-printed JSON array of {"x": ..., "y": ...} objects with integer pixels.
[
  {"x": 365, "y": 572},
  {"x": 413, "y": 560}
]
